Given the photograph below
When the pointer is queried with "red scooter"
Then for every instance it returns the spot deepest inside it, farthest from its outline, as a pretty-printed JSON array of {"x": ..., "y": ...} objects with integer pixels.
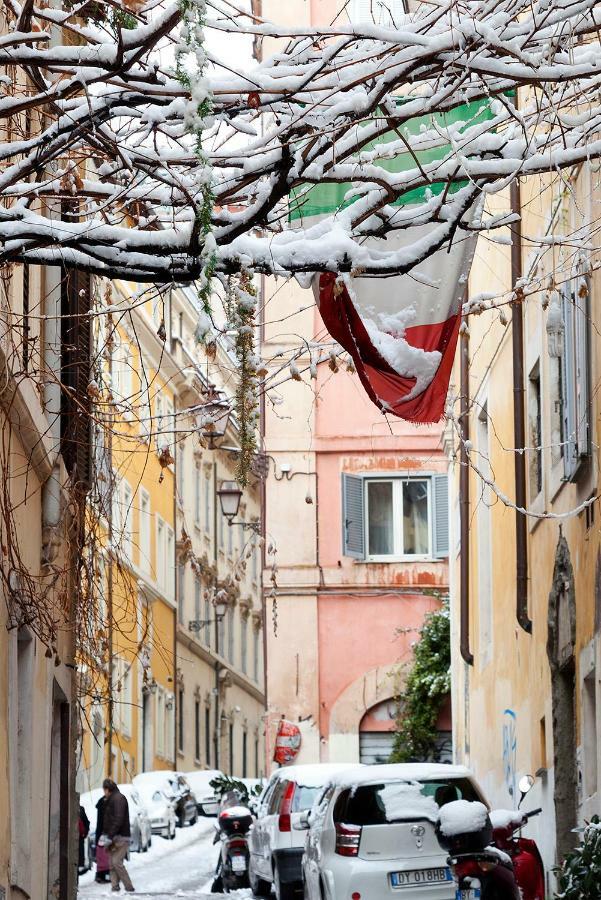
[{"x": 527, "y": 862}]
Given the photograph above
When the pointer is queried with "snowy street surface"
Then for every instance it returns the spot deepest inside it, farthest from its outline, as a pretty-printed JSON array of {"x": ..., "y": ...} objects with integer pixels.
[{"x": 182, "y": 868}]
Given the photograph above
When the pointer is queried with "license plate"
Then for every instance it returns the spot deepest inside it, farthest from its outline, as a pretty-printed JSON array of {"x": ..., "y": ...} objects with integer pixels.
[
  {"x": 467, "y": 894},
  {"x": 238, "y": 864},
  {"x": 414, "y": 877}
]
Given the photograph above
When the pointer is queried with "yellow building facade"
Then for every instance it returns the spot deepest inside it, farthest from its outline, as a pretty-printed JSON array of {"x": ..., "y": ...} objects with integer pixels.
[{"x": 528, "y": 700}]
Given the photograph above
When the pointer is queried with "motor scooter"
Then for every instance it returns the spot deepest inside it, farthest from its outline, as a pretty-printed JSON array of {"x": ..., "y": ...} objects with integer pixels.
[
  {"x": 481, "y": 871},
  {"x": 232, "y": 827},
  {"x": 527, "y": 861}
]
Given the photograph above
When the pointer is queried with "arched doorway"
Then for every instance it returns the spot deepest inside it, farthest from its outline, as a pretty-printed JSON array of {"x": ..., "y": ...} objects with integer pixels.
[
  {"x": 561, "y": 642},
  {"x": 376, "y": 732}
]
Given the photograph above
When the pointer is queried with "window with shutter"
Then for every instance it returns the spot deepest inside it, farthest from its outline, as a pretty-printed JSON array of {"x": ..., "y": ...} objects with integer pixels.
[
  {"x": 353, "y": 536},
  {"x": 440, "y": 485},
  {"x": 76, "y": 342},
  {"x": 576, "y": 376}
]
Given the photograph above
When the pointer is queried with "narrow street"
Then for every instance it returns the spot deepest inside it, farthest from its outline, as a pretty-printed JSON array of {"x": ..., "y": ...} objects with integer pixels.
[{"x": 183, "y": 867}]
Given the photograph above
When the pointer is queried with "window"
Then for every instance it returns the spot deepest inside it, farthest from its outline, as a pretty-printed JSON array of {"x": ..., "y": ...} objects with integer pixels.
[
  {"x": 161, "y": 569},
  {"x": 144, "y": 530},
  {"x": 231, "y": 748},
  {"x": 378, "y": 12},
  {"x": 576, "y": 375},
  {"x": 535, "y": 453},
  {"x": 197, "y": 593},
  {"x": 197, "y": 730},
  {"x": 391, "y": 518},
  {"x": 181, "y": 585},
  {"x": 230, "y": 633},
  {"x": 180, "y": 720},
  {"x": 121, "y": 374},
  {"x": 244, "y": 754},
  {"x": 103, "y": 472},
  {"x": 126, "y": 540},
  {"x": 197, "y": 496},
  {"x": 256, "y": 654},
  {"x": 160, "y": 708},
  {"x": 181, "y": 462},
  {"x": 381, "y": 804},
  {"x": 170, "y": 563},
  {"x": 208, "y": 523},
  {"x": 144, "y": 414},
  {"x": 170, "y": 726},
  {"x": 207, "y": 735},
  {"x": 243, "y": 643},
  {"x": 208, "y": 629},
  {"x": 256, "y": 757}
]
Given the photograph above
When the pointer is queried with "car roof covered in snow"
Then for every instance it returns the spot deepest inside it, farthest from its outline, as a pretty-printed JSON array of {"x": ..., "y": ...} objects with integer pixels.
[
  {"x": 398, "y": 772},
  {"x": 313, "y": 775}
]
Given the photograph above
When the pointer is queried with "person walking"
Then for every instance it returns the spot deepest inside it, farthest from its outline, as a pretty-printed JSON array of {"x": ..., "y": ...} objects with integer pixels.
[
  {"x": 103, "y": 863},
  {"x": 116, "y": 834},
  {"x": 83, "y": 826}
]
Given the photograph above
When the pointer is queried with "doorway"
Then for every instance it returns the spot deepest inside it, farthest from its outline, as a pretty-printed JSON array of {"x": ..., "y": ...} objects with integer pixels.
[{"x": 561, "y": 644}]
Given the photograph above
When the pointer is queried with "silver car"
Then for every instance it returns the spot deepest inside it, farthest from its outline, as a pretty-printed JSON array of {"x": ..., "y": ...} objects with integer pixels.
[
  {"x": 371, "y": 833},
  {"x": 139, "y": 821}
]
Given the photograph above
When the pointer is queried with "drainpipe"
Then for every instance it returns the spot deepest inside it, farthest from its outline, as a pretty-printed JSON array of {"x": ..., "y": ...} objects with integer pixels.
[
  {"x": 464, "y": 502},
  {"x": 217, "y": 736},
  {"x": 263, "y": 501},
  {"x": 519, "y": 427}
]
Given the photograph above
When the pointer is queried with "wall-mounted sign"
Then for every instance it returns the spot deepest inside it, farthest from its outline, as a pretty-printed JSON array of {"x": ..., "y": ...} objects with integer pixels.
[{"x": 287, "y": 742}]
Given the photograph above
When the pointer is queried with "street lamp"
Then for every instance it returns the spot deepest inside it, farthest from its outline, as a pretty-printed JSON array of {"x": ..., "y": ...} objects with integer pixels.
[
  {"x": 212, "y": 418},
  {"x": 220, "y": 604},
  {"x": 229, "y": 497}
]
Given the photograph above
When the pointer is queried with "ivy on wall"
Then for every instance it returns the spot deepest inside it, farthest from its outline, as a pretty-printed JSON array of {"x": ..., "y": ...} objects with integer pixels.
[{"x": 426, "y": 688}]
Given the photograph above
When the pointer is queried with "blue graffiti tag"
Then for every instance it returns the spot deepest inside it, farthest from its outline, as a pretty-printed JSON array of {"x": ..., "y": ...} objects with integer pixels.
[{"x": 510, "y": 744}]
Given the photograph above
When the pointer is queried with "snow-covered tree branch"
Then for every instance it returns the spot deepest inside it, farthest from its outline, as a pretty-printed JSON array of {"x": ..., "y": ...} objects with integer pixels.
[{"x": 103, "y": 103}]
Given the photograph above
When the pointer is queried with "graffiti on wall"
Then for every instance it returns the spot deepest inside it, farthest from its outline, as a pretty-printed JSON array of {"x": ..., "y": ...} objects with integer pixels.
[{"x": 510, "y": 745}]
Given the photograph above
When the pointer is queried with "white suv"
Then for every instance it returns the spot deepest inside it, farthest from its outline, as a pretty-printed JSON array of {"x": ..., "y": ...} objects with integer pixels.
[
  {"x": 276, "y": 842},
  {"x": 372, "y": 833}
]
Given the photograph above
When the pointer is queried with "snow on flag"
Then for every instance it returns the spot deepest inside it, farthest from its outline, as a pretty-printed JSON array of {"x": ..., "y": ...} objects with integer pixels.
[{"x": 401, "y": 331}]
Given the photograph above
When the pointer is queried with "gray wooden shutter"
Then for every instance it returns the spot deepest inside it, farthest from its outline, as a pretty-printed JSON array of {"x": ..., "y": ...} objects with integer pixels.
[
  {"x": 582, "y": 366},
  {"x": 440, "y": 506},
  {"x": 567, "y": 372},
  {"x": 353, "y": 531}
]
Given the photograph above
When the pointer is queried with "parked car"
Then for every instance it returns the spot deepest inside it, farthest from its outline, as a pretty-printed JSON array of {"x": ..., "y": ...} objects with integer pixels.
[
  {"x": 139, "y": 821},
  {"x": 174, "y": 786},
  {"x": 207, "y": 804},
  {"x": 276, "y": 846},
  {"x": 160, "y": 809},
  {"x": 372, "y": 832}
]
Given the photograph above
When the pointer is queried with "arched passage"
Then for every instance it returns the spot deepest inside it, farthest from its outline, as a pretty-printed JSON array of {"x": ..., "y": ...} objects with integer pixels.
[{"x": 371, "y": 689}]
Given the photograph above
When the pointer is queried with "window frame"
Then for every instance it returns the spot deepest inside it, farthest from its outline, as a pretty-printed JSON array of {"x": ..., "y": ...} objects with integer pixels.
[{"x": 398, "y": 555}]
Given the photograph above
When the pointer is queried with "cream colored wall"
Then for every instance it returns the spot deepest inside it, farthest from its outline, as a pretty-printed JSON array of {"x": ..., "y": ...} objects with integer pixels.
[{"x": 516, "y": 676}]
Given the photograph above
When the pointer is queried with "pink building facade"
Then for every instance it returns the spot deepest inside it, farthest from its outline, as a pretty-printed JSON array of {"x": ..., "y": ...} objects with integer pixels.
[{"x": 356, "y": 511}]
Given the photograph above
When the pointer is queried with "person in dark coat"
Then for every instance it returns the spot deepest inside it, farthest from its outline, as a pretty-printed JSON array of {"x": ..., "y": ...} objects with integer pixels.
[
  {"x": 83, "y": 826},
  {"x": 103, "y": 863},
  {"x": 116, "y": 834}
]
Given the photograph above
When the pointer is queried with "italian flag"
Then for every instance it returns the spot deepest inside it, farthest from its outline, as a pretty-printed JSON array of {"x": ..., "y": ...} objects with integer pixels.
[{"x": 401, "y": 331}]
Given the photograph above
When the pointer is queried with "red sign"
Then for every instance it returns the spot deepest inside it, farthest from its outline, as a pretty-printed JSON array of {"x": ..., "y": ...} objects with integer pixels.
[{"x": 287, "y": 742}]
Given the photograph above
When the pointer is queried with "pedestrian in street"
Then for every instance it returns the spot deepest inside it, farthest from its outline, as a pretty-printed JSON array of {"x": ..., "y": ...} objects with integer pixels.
[
  {"x": 103, "y": 864},
  {"x": 83, "y": 826},
  {"x": 116, "y": 834}
]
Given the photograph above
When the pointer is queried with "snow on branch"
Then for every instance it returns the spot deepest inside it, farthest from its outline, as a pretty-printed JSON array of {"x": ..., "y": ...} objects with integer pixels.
[{"x": 100, "y": 159}]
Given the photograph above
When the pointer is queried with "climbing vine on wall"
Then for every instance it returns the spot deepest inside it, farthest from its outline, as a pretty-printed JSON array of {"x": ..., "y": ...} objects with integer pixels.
[{"x": 426, "y": 687}]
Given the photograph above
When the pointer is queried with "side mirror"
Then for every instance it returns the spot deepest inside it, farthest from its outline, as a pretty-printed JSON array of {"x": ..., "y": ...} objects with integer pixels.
[
  {"x": 302, "y": 823},
  {"x": 524, "y": 785},
  {"x": 210, "y": 808}
]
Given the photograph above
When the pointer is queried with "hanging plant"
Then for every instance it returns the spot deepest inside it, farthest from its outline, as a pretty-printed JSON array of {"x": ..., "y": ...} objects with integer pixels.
[
  {"x": 241, "y": 305},
  {"x": 427, "y": 686},
  {"x": 190, "y": 70}
]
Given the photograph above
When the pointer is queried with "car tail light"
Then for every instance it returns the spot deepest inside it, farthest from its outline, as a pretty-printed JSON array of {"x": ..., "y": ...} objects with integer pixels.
[
  {"x": 347, "y": 839},
  {"x": 286, "y": 808}
]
